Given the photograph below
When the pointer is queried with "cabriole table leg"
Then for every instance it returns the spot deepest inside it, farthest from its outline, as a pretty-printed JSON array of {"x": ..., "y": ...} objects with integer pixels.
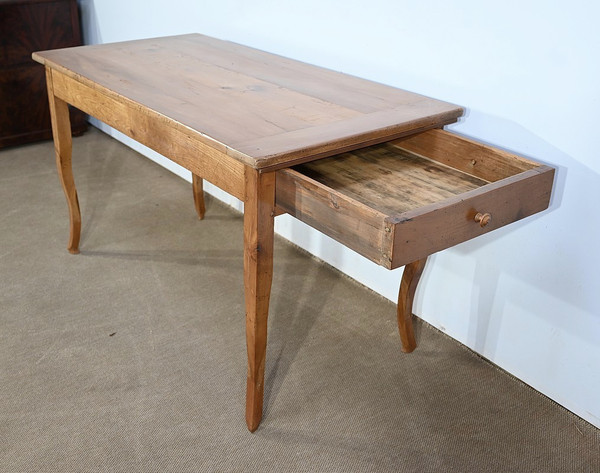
[
  {"x": 408, "y": 286},
  {"x": 63, "y": 147}
]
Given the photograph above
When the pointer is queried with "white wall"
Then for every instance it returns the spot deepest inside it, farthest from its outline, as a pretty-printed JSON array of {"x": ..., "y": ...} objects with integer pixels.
[{"x": 526, "y": 296}]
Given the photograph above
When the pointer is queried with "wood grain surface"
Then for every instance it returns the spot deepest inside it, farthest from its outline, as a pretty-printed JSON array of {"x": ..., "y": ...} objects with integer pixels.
[
  {"x": 258, "y": 274},
  {"x": 264, "y": 110},
  {"x": 406, "y": 295},
  {"x": 395, "y": 206},
  {"x": 390, "y": 179},
  {"x": 153, "y": 130},
  {"x": 485, "y": 162},
  {"x": 63, "y": 150},
  {"x": 238, "y": 117}
]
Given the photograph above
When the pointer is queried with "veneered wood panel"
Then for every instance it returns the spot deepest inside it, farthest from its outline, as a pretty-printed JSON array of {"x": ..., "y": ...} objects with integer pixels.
[
  {"x": 27, "y": 26},
  {"x": 30, "y": 26}
]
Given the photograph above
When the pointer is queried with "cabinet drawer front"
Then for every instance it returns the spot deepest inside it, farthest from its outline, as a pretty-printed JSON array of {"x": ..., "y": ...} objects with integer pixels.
[
  {"x": 424, "y": 231},
  {"x": 398, "y": 202}
]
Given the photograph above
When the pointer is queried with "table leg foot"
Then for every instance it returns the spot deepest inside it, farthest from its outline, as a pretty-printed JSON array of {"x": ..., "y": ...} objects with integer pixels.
[
  {"x": 198, "y": 191},
  {"x": 259, "y": 209},
  {"x": 408, "y": 286},
  {"x": 254, "y": 401},
  {"x": 63, "y": 146}
]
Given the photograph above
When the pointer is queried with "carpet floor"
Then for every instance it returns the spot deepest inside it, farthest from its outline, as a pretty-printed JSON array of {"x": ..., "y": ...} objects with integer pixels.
[{"x": 130, "y": 357}]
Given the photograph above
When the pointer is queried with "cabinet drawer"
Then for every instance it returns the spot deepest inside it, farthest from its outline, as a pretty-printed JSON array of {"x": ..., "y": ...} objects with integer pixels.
[{"x": 398, "y": 202}]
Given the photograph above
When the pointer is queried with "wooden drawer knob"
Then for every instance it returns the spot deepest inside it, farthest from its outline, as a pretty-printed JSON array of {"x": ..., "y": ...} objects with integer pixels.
[{"x": 483, "y": 219}]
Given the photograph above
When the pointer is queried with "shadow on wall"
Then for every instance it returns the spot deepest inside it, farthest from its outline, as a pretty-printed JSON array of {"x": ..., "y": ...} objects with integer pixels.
[
  {"x": 552, "y": 253},
  {"x": 89, "y": 22}
]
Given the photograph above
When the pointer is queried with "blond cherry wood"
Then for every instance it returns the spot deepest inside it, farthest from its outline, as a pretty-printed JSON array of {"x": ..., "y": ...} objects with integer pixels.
[
  {"x": 230, "y": 114},
  {"x": 198, "y": 191},
  {"x": 259, "y": 210},
  {"x": 263, "y": 110},
  {"x": 406, "y": 294},
  {"x": 183, "y": 146},
  {"x": 395, "y": 206},
  {"x": 240, "y": 118},
  {"x": 61, "y": 130},
  {"x": 485, "y": 162}
]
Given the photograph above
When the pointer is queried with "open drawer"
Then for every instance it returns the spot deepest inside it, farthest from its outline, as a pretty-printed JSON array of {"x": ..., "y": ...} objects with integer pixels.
[{"x": 401, "y": 201}]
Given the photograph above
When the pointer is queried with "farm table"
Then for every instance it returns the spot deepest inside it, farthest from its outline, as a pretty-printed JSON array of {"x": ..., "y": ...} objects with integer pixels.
[{"x": 365, "y": 163}]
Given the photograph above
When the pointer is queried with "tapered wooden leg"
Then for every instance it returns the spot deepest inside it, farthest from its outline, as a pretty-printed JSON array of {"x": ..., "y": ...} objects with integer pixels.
[
  {"x": 259, "y": 208},
  {"x": 198, "y": 190},
  {"x": 408, "y": 286},
  {"x": 63, "y": 145}
]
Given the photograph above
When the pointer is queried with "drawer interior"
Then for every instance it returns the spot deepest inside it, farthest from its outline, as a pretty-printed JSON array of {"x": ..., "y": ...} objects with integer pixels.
[
  {"x": 413, "y": 172},
  {"x": 390, "y": 179},
  {"x": 400, "y": 201}
]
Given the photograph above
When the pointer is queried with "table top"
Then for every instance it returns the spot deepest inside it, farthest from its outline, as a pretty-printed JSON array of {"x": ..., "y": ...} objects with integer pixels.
[{"x": 266, "y": 110}]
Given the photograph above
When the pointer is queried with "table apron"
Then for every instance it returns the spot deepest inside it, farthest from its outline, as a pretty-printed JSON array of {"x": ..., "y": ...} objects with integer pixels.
[{"x": 156, "y": 132}]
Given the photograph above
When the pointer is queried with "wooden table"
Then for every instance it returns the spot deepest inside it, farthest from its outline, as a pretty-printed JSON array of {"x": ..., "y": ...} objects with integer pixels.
[{"x": 247, "y": 120}]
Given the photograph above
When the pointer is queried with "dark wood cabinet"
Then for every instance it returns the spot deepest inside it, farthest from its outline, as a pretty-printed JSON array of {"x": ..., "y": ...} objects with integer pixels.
[{"x": 27, "y": 26}]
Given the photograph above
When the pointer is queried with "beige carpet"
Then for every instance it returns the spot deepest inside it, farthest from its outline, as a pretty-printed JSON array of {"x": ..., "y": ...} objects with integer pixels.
[{"x": 130, "y": 357}]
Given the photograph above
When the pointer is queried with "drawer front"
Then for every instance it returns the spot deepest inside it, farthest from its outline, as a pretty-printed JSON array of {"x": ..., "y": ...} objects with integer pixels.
[
  {"x": 400, "y": 202},
  {"x": 424, "y": 231}
]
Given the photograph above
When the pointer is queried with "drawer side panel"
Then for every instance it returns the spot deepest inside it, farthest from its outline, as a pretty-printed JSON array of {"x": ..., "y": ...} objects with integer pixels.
[
  {"x": 474, "y": 158},
  {"x": 349, "y": 222}
]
